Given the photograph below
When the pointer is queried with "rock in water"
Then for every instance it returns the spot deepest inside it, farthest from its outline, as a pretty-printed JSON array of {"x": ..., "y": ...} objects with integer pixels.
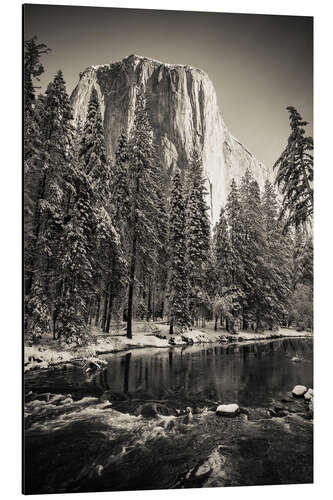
[
  {"x": 184, "y": 114},
  {"x": 149, "y": 410},
  {"x": 189, "y": 416},
  {"x": 309, "y": 394},
  {"x": 299, "y": 390},
  {"x": 229, "y": 410}
]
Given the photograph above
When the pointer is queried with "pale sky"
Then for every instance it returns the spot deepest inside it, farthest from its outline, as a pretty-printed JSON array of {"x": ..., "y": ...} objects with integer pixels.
[{"x": 258, "y": 64}]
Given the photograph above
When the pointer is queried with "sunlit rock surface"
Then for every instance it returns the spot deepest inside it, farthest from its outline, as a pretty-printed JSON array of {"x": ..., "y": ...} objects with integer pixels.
[
  {"x": 184, "y": 115},
  {"x": 308, "y": 395},
  {"x": 227, "y": 410},
  {"x": 299, "y": 390}
]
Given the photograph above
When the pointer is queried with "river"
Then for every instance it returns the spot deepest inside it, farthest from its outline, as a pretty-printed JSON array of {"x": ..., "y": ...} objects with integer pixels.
[{"x": 147, "y": 421}]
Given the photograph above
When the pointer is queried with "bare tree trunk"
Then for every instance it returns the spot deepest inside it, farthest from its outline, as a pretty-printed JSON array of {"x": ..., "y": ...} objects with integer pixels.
[
  {"x": 132, "y": 267},
  {"x": 108, "y": 319},
  {"x": 98, "y": 306},
  {"x": 258, "y": 328},
  {"x": 153, "y": 303},
  {"x": 105, "y": 309},
  {"x": 91, "y": 311},
  {"x": 149, "y": 302},
  {"x": 171, "y": 327},
  {"x": 37, "y": 225},
  {"x": 131, "y": 290},
  {"x": 54, "y": 325}
]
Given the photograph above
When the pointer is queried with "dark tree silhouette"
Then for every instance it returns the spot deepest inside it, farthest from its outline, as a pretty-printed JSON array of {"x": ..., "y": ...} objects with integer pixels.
[{"x": 295, "y": 174}]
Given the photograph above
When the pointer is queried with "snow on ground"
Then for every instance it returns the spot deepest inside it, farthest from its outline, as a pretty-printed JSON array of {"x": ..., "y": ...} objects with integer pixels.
[{"x": 51, "y": 352}]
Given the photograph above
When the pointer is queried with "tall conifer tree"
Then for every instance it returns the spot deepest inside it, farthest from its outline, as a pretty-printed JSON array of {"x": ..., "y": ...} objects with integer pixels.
[
  {"x": 90, "y": 236},
  {"x": 277, "y": 261},
  {"x": 146, "y": 217},
  {"x": 178, "y": 281},
  {"x": 253, "y": 253},
  {"x": 198, "y": 237},
  {"x": 222, "y": 250},
  {"x": 47, "y": 212},
  {"x": 236, "y": 262}
]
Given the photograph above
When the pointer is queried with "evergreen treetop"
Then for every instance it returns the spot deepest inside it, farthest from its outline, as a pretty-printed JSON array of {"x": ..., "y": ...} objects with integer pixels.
[{"x": 295, "y": 173}]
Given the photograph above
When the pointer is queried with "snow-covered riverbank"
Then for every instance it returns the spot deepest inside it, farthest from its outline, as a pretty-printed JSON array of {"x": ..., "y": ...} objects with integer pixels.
[{"x": 50, "y": 352}]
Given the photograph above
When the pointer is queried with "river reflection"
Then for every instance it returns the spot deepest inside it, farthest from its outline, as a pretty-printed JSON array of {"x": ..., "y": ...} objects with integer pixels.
[
  {"x": 251, "y": 374},
  {"x": 98, "y": 438}
]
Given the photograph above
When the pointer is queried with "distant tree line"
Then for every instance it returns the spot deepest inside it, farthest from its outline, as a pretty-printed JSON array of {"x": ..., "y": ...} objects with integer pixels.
[{"x": 107, "y": 240}]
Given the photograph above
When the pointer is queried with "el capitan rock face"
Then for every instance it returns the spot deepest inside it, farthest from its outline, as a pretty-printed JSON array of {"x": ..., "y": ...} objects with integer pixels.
[{"x": 184, "y": 115}]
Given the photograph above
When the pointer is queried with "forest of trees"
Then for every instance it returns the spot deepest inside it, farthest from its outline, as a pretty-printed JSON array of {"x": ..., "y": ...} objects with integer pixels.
[{"x": 107, "y": 240}]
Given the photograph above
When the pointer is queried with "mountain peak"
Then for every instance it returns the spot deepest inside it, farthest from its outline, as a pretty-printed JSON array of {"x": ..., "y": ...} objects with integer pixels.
[{"x": 184, "y": 114}]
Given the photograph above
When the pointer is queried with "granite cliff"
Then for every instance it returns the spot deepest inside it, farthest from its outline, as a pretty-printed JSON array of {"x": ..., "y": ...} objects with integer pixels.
[{"x": 184, "y": 114}]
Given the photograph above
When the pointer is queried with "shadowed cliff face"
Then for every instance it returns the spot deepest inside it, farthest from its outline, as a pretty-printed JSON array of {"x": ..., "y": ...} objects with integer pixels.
[{"x": 184, "y": 115}]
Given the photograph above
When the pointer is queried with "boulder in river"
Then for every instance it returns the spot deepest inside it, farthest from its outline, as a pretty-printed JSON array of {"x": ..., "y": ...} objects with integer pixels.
[
  {"x": 299, "y": 390},
  {"x": 106, "y": 396},
  {"x": 189, "y": 415},
  {"x": 308, "y": 395},
  {"x": 229, "y": 410},
  {"x": 149, "y": 410},
  {"x": 153, "y": 410}
]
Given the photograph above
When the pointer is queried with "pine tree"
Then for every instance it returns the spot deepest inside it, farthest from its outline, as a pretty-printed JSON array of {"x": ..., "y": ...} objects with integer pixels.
[
  {"x": 146, "y": 217},
  {"x": 277, "y": 261},
  {"x": 119, "y": 208},
  {"x": 32, "y": 69},
  {"x": 93, "y": 153},
  {"x": 221, "y": 262},
  {"x": 307, "y": 263},
  {"x": 234, "y": 214},
  {"x": 198, "y": 238},
  {"x": 33, "y": 147},
  {"x": 101, "y": 240},
  {"x": 302, "y": 248},
  {"x": 222, "y": 250},
  {"x": 33, "y": 174},
  {"x": 300, "y": 307},
  {"x": 77, "y": 275},
  {"x": 236, "y": 257},
  {"x": 46, "y": 218},
  {"x": 295, "y": 173},
  {"x": 56, "y": 136},
  {"x": 156, "y": 272},
  {"x": 37, "y": 313},
  {"x": 253, "y": 251},
  {"x": 120, "y": 189},
  {"x": 178, "y": 282},
  {"x": 89, "y": 239}
]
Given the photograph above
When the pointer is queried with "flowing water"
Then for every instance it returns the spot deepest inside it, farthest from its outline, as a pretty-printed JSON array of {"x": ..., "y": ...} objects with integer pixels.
[{"x": 147, "y": 421}]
